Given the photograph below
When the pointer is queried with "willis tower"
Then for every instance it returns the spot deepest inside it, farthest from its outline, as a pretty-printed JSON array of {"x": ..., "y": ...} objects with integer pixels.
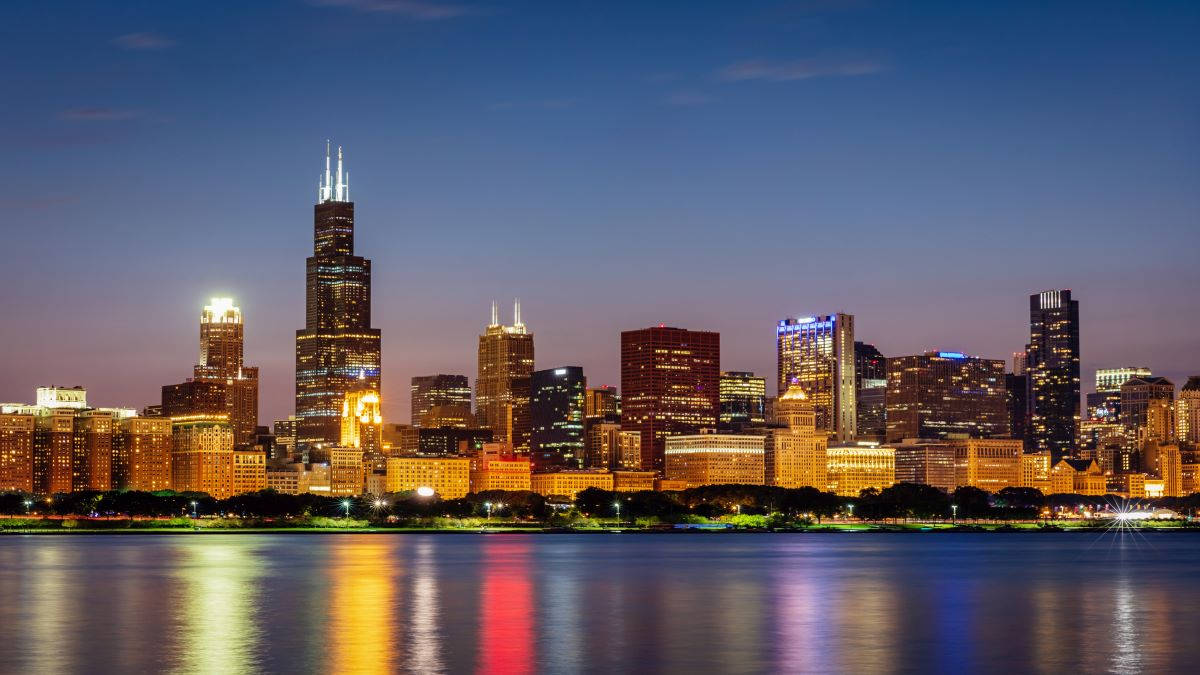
[{"x": 338, "y": 351}]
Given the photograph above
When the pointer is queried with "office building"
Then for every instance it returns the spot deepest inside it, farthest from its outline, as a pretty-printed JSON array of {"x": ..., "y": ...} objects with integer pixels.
[
  {"x": 441, "y": 401},
  {"x": 743, "y": 399},
  {"x": 855, "y": 467},
  {"x": 1187, "y": 414},
  {"x": 870, "y": 386},
  {"x": 249, "y": 471},
  {"x": 1148, "y": 409},
  {"x": 990, "y": 464},
  {"x": 1035, "y": 471},
  {"x": 926, "y": 462},
  {"x": 602, "y": 446},
  {"x": 362, "y": 422},
  {"x": 92, "y": 446},
  {"x": 141, "y": 458},
  {"x": 1016, "y": 396},
  {"x": 16, "y": 453},
  {"x": 497, "y": 468},
  {"x": 202, "y": 458},
  {"x": 569, "y": 482},
  {"x": 450, "y": 440},
  {"x": 940, "y": 394},
  {"x": 502, "y": 388},
  {"x": 1111, "y": 379},
  {"x": 633, "y": 481},
  {"x": 669, "y": 386},
  {"x": 602, "y": 402},
  {"x": 346, "y": 472},
  {"x": 1053, "y": 364},
  {"x": 448, "y": 477},
  {"x": 1079, "y": 477},
  {"x": 795, "y": 456},
  {"x": 338, "y": 351},
  {"x": 817, "y": 352},
  {"x": 714, "y": 459},
  {"x": 557, "y": 408}
]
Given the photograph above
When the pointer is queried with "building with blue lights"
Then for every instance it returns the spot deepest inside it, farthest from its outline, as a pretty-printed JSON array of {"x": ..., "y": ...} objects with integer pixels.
[
  {"x": 939, "y": 395},
  {"x": 817, "y": 353}
]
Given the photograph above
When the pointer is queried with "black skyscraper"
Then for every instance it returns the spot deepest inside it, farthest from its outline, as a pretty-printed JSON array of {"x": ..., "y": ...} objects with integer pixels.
[
  {"x": 1053, "y": 370},
  {"x": 556, "y": 409},
  {"x": 338, "y": 351}
]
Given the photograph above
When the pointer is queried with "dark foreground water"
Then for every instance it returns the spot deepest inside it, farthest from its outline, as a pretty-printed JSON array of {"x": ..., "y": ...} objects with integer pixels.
[{"x": 601, "y": 603}]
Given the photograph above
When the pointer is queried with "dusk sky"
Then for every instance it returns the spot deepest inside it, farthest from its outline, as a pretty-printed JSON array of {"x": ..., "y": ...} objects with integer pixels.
[{"x": 709, "y": 165}]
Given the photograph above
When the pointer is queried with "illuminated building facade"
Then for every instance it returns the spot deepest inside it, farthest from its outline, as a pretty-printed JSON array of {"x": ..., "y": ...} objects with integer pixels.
[
  {"x": 345, "y": 472},
  {"x": 449, "y": 477},
  {"x": 743, "y": 399},
  {"x": 602, "y": 446},
  {"x": 1016, "y": 396},
  {"x": 337, "y": 352},
  {"x": 202, "y": 458},
  {"x": 499, "y": 470},
  {"x": 1111, "y": 379},
  {"x": 362, "y": 421},
  {"x": 1148, "y": 409},
  {"x": 670, "y": 386},
  {"x": 141, "y": 458},
  {"x": 441, "y": 401},
  {"x": 817, "y": 352},
  {"x": 249, "y": 471},
  {"x": 502, "y": 388},
  {"x": 451, "y": 440},
  {"x": 855, "y": 467},
  {"x": 1187, "y": 414},
  {"x": 870, "y": 386},
  {"x": 715, "y": 459},
  {"x": 1077, "y": 476},
  {"x": 1053, "y": 363},
  {"x": 570, "y": 482},
  {"x": 926, "y": 462},
  {"x": 16, "y": 453},
  {"x": 557, "y": 411},
  {"x": 1035, "y": 470},
  {"x": 54, "y": 454},
  {"x": 795, "y": 456},
  {"x": 990, "y": 464},
  {"x": 937, "y": 394},
  {"x": 633, "y": 481},
  {"x": 93, "y": 448},
  {"x": 602, "y": 402}
]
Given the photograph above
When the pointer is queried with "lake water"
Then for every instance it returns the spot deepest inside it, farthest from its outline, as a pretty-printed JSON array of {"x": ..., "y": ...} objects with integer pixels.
[{"x": 601, "y": 603}]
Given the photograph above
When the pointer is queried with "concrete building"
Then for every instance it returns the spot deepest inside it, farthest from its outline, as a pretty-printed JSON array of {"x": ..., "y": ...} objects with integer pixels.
[
  {"x": 1035, "y": 471},
  {"x": 795, "y": 456},
  {"x": 346, "y": 475},
  {"x": 927, "y": 462},
  {"x": 1078, "y": 476},
  {"x": 858, "y": 466},
  {"x": 249, "y": 471},
  {"x": 990, "y": 464},
  {"x": 497, "y": 468},
  {"x": 715, "y": 459},
  {"x": 141, "y": 458},
  {"x": 16, "y": 453},
  {"x": 943, "y": 394},
  {"x": 441, "y": 401},
  {"x": 449, "y": 477},
  {"x": 633, "y": 481},
  {"x": 569, "y": 483}
]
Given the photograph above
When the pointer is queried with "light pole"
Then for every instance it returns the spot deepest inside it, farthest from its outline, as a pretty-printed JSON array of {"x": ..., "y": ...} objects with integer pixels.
[
  {"x": 346, "y": 507},
  {"x": 618, "y": 505},
  {"x": 488, "y": 506},
  {"x": 954, "y": 513},
  {"x": 194, "y": 516},
  {"x": 851, "y": 507},
  {"x": 28, "y": 505}
]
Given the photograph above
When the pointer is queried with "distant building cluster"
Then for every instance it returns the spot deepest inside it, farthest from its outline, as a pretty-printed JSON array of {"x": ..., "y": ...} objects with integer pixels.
[{"x": 846, "y": 418}]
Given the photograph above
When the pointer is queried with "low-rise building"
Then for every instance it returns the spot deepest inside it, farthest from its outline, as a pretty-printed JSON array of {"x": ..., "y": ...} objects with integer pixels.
[
  {"x": 497, "y": 469},
  {"x": 568, "y": 483},
  {"x": 990, "y": 464},
  {"x": 858, "y": 466},
  {"x": 1078, "y": 476},
  {"x": 249, "y": 471},
  {"x": 449, "y": 477},
  {"x": 288, "y": 479},
  {"x": 1035, "y": 470},
  {"x": 715, "y": 459},
  {"x": 633, "y": 481}
]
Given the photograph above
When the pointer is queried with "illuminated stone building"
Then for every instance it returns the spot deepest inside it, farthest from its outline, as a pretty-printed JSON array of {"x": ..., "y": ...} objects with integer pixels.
[
  {"x": 1187, "y": 414},
  {"x": 345, "y": 472},
  {"x": 54, "y": 454},
  {"x": 939, "y": 394},
  {"x": 817, "y": 352},
  {"x": 855, "y": 467},
  {"x": 1053, "y": 363},
  {"x": 633, "y": 481},
  {"x": 1035, "y": 470},
  {"x": 570, "y": 482},
  {"x": 141, "y": 458},
  {"x": 92, "y": 449},
  {"x": 1148, "y": 409},
  {"x": 497, "y": 468},
  {"x": 441, "y": 401},
  {"x": 1165, "y": 461},
  {"x": 1078, "y": 476},
  {"x": 870, "y": 386},
  {"x": 557, "y": 411},
  {"x": 669, "y": 386},
  {"x": 990, "y": 464},
  {"x": 927, "y": 462},
  {"x": 715, "y": 459},
  {"x": 502, "y": 388},
  {"x": 362, "y": 422},
  {"x": 202, "y": 458},
  {"x": 16, "y": 453},
  {"x": 795, "y": 456},
  {"x": 337, "y": 351},
  {"x": 743, "y": 399},
  {"x": 449, "y": 477},
  {"x": 249, "y": 471}
]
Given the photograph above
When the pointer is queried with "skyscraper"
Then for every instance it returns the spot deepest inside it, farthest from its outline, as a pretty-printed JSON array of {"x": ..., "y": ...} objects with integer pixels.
[
  {"x": 669, "y": 385},
  {"x": 222, "y": 388},
  {"x": 441, "y": 401},
  {"x": 939, "y": 394},
  {"x": 337, "y": 351},
  {"x": 557, "y": 414},
  {"x": 743, "y": 399},
  {"x": 817, "y": 352},
  {"x": 795, "y": 456},
  {"x": 870, "y": 386},
  {"x": 502, "y": 387},
  {"x": 1148, "y": 409},
  {"x": 1053, "y": 365},
  {"x": 1188, "y": 411}
]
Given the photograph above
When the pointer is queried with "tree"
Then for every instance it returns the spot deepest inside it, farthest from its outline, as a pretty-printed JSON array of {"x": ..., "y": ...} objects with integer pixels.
[{"x": 972, "y": 502}]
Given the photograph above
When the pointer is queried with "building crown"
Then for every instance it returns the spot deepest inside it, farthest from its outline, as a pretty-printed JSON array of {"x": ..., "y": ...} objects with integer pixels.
[{"x": 327, "y": 189}]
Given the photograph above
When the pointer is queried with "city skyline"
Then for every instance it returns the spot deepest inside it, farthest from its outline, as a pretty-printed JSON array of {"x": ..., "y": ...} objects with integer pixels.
[{"x": 945, "y": 229}]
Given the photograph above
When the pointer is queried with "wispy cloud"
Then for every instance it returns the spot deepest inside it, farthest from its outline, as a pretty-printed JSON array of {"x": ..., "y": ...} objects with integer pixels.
[
  {"x": 800, "y": 70},
  {"x": 414, "y": 9},
  {"x": 143, "y": 41},
  {"x": 96, "y": 114},
  {"x": 539, "y": 104}
]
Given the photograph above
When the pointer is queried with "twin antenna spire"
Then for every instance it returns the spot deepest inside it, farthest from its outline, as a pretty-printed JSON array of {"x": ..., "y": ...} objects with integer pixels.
[
  {"x": 516, "y": 314},
  {"x": 329, "y": 191}
]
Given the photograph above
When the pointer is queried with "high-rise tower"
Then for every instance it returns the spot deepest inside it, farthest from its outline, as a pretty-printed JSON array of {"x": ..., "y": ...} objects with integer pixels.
[
  {"x": 1053, "y": 367},
  {"x": 817, "y": 353},
  {"x": 337, "y": 352},
  {"x": 502, "y": 388}
]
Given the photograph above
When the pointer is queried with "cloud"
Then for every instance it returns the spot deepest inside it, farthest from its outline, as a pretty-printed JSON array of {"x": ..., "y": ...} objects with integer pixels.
[
  {"x": 143, "y": 41},
  {"x": 687, "y": 98},
  {"x": 540, "y": 104},
  {"x": 96, "y": 114},
  {"x": 423, "y": 10},
  {"x": 800, "y": 70}
]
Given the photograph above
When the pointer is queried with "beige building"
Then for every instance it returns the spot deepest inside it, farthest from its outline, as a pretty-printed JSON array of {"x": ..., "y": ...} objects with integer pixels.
[
  {"x": 1035, "y": 470},
  {"x": 16, "y": 452},
  {"x": 141, "y": 458},
  {"x": 795, "y": 457},
  {"x": 1166, "y": 462},
  {"x": 291, "y": 479},
  {"x": 249, "y": 471},
  {"x": 715, "y": 459},
  {"x": 345, "y": 472},
  {"x": 1078, "y": 476},
  {"x": 449, "y": 477},
  {"x": 491, "y": 470},
  {"x": 990, "y": 464},
  {"x": 569, "y": 483},
  {"x": 633, "y": 481},
  {"x": 202, "y": 458},
  {"x": 856, "y": 467}
]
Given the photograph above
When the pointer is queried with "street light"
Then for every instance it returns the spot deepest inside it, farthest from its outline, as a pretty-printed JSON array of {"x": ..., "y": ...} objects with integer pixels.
[
  {"x": 618, "y": 505},
  {"x": 954, "y": 512},
  {"x": 851, "y": 507},
  {"x": 194, "y": 509},
  {"x": 346, "y": 506},
  {"x": 488, "y": 506},
  {"x": 28, "y": 504}
]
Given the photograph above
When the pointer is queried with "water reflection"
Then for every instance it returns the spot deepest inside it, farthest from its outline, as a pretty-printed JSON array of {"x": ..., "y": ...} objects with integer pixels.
[
  {"x": 361, "y": 629},
  {"x": 425, "y": 616},
  {"x": 218, "y": 631},
  {"x": 506, "y": 620}
]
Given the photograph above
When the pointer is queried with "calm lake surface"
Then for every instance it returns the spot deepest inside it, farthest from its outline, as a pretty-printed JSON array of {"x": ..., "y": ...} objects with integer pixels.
[{"x": 601, "y": 603}]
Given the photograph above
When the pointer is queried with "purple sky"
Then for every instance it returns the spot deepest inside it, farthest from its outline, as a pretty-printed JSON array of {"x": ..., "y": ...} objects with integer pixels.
[{"x": 616, "y": 165}]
